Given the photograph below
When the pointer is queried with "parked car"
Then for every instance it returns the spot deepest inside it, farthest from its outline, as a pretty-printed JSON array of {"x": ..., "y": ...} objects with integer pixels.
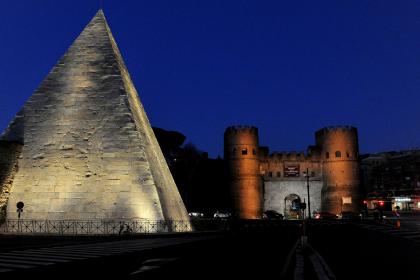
[
  {"x": 272, "y": 215},
  {"x": 325, "y": 216},
  {"x": 348, "y": 215},
  {"x": 222, "y": 215},
  {"x": 196, "y": 215}
]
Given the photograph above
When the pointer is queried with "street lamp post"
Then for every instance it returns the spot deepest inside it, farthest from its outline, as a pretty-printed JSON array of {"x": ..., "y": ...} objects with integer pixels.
[
  {"x": 19, "y": 210},
  {"x": 309, "y": 200}
]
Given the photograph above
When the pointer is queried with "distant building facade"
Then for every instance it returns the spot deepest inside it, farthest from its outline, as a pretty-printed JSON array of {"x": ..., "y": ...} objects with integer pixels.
[
  {"x": 260, "y": 181},
  {"x": 392, "y": 177}
]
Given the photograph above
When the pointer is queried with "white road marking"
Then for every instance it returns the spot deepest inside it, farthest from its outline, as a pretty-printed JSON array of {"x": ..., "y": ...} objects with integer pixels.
[
  {"x": 7, "y": 256},
  {"x": 10, "y": 265},
  {"x": 23, "y": 259}
]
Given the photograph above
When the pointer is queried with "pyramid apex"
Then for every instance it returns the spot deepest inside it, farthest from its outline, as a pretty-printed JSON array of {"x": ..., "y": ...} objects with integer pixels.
[
  {"x": 99, "y": 16},
  {"x": 99, "y": 13}
]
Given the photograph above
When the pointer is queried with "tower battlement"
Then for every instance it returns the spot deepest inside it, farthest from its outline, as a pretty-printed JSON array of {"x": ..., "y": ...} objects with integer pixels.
[
  {"x": 235, "y": 129},
  {"x": 241, "y": 135},
  {"x": 293, "y": 155},
  {"x": 337, "y": 128},
  {"x": 338, "y": 139}
]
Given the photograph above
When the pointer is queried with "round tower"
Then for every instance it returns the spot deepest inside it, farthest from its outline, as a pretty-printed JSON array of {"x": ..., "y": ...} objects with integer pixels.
[
  {"x": 241, "y": 155},
  {"x": 340, "y": 167}
]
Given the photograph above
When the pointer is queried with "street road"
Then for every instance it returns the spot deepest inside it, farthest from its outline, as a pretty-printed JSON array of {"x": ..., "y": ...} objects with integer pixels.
[
  {"x": 369, "y": 251},
  {"x": 235, "y": 254}
]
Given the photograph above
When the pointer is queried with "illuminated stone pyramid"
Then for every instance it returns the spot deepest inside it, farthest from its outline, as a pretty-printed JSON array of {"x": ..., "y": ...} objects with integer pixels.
[{"x": 89, "y": 151}]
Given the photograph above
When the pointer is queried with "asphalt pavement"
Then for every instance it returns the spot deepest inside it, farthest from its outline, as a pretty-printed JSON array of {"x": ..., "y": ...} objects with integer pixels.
[
  {"x": 241, "y": 253},
  {"x": 368, "y": 250},
  {"x": 349, "y": 249}
]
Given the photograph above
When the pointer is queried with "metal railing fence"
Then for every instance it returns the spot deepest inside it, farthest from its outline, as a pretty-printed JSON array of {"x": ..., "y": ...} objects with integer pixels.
[{"x": 92, "y": 227}]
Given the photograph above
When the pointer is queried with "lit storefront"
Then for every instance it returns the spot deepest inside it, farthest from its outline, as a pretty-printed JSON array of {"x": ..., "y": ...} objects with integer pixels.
[{"x": 403, "y": 203}]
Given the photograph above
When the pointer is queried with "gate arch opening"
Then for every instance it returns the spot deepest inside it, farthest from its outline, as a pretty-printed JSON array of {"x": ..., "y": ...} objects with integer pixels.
[{"x": 292, "y": 206}]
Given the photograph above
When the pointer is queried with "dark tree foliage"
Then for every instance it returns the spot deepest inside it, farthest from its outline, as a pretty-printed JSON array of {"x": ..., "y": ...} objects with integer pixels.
[{"x": 201, "y": 181}]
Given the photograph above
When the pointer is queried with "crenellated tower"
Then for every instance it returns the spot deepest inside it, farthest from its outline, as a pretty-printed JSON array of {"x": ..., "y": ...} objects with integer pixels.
[
  {"x": 339, "y": 154},
  {"x": 241, "y": 155}
]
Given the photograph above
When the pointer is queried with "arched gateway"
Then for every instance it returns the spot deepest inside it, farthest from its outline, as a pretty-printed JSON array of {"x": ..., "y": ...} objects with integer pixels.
[{"x": 292, "y": 206}]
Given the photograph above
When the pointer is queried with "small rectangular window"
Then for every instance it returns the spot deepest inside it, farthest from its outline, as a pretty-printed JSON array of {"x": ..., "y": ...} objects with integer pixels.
[
  {"x": 278, "y": 174},
  {"x": 270, "y": 174},
  {"x": 244, "y": 151}
]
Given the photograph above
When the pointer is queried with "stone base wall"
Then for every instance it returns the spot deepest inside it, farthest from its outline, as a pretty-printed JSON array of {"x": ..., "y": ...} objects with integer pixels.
[
  {"x": 9, "y": 155},
  {"x": 341, "y": 199}
]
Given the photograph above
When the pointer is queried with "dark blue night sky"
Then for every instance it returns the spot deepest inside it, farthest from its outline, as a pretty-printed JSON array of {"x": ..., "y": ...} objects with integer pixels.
[{"x": 200, "y": 66}]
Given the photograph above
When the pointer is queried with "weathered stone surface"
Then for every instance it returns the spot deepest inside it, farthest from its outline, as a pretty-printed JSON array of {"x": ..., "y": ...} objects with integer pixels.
[
  {"x": 9, "y": 155},
  {"x": 89, "y": 150},
  {"x": 276, "y": 192}
]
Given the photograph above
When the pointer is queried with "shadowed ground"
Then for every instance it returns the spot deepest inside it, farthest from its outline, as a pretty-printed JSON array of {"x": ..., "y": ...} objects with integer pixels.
[
  {"x": 239, "y": 253},
  {"x": 355, "y": 252}
]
